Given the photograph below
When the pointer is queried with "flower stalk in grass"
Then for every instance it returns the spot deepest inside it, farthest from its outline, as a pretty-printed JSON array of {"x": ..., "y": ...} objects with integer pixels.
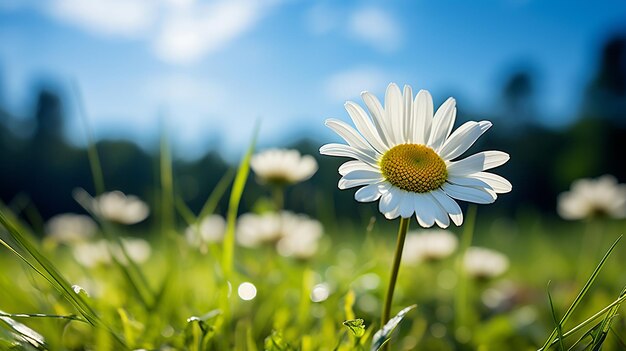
[
  {"x": 406, "y": 156},
  {"x": 278, "y": 196},
  {"x": 279, "y": 168},
  {"x": 395, "y": 267},
  {"x": 592, "y": 200}
]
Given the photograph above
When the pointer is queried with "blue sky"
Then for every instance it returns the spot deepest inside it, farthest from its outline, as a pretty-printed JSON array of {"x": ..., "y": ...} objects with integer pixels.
[{"x": 214, "y": 67}]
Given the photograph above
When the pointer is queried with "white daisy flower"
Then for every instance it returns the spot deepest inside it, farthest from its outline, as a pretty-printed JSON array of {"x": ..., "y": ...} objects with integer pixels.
[
  {"x": 90, "y": 254},
  {"x": 211, "y": 229},
  {"x": 433, "y": 245},
  {"x": 294, "y": 235},
  {"x": 254, "y": 230},
  {"x": 282, "y": 166},
  {"x": 300, "y": 236},
  {"x": 482, "y": 263},
  {"x": 70, "y": 228},
  {"x": 118, "y": 207},
  {"x": 407, "y": 156},
  {"x": 593, "y": 197},
  {"x": 138, "y": 250}
]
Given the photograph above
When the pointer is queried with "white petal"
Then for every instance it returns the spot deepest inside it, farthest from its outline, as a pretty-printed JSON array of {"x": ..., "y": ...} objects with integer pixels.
[
  {"x": 367, "y": 193},
  {"x": 479, "y": 162},
  {"x": 406, "y": 205},
  {"x": 348, "y": 134},
  {"x": 499, "y": 184},
  {"x": 393, "y": 110},
  {"x": 378, "y": 116},
  {"x": 468, "y": 181},
  {"x": 407, "y": 115},
  {"x": 351, "y": 183},
  {"x": 441, "y": 216},
  {"x": 384, "y": 187},
  {"x": 462, "y": 139},
  {"x": 364, "y": 126},
  {"x": 355, "y": 165},
  {"x": 424, "y": 210},
  {"x": 479, "y": 196},
  {"x": 389, "y": 202},
  {"x": 365, "y": 174},
  {"x": 342, "y": 150},
  {"x": 448, "y": 204},
  {"x": 442, "y": 124},
  {"x": 401, "y": 196},
  {"x": 423, "y": 115}
]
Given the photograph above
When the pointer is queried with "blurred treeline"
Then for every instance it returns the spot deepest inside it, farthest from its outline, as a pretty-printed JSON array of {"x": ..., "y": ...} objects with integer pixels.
[{"x": 39, "y": 171}]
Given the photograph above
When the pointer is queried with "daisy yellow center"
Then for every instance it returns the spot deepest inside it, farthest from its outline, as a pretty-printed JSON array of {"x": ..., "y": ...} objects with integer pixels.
[{"x": 414, "y": 167}]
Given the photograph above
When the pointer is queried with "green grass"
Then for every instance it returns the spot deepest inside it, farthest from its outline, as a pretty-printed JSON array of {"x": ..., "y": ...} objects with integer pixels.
[
  {"x": 184, "y": 298},
  {"x": 188, "y": 310}
]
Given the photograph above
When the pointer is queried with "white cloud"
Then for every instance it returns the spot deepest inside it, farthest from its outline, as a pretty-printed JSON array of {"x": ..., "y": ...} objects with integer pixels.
[
  {"x": 126, "y": 18},
  {"x": 350, "y": 83},
  {"x": 179, "y": 31},
  {"x": 189, "y": 35},
  {"x": 375, "y": 27}
]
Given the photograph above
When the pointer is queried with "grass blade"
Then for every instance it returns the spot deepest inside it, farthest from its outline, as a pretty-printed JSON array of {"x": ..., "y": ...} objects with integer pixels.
[
  {"x": 71, "y": 317},
  {"x": 383, "y": 335},
  {"x": 24, "y": 334},
  {"x": 558, "y": 325},
  {"x": 218, "y": 192},
  {"x": 592, "y": 318},
  {"x": 233, "y": 206},
  {"x": 580, "y": 296},
  {"x": 52, "y": 275},
  {"x": 600, "y": 335}
]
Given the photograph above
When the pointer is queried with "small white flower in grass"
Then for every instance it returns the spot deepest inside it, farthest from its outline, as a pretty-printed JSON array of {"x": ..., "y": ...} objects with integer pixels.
[
  {"x": 406, "y": 155},
  {"x": 430, "y": 246},
  {"x": 118, "y": 207},
  {"x": 300, "y": 236},
  {"x": 90, "y": 254},
  {"x": 282, "y": 166},
  {"x": 601, "y": 197},
  {"x": 254, "y": 230},
  {"x": 138, "y": 250},
  {"x": 482, "y": 263},
  {"x": 70, "y": 228},
  {"x": 211, "y": 229},
  {"x": 294, "y": 235}
]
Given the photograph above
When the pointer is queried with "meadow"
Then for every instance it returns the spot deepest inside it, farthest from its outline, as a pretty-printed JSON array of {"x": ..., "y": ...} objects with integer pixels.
[{"x": 226, "y": 294}]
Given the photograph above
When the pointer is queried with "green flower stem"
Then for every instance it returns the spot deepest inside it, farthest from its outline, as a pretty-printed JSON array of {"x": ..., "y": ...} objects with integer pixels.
[
  {"x": 278, "y": 196},
  {"x": 461, "y": 299},
  {"x": 404, "y": 226}
]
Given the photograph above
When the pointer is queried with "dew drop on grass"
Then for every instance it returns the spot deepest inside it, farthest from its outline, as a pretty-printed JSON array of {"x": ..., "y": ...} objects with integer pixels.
[{"x": 246, "y": 291}]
